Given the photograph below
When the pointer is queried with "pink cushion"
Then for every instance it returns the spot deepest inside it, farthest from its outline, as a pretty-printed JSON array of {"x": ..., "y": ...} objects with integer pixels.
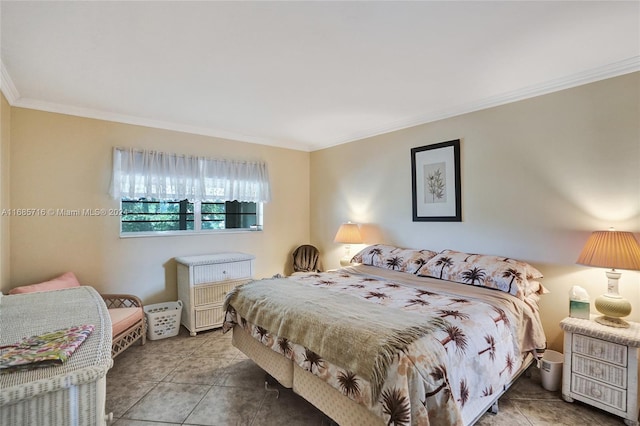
[
  {"x": 66, "y": 280},
  {"x": 123, "y": 318}
]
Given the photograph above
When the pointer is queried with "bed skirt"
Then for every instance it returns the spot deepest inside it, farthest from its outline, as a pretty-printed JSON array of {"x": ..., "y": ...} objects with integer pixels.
[{"x": 279, "y": 367}]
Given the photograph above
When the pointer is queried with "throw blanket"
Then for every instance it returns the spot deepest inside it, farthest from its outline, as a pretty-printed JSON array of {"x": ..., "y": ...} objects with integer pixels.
[
  {"x": 44, "y": 350},
  {"x": 347, "y": 331}
]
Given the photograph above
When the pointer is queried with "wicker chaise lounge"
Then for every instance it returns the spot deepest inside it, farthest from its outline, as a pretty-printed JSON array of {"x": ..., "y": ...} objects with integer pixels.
[{"x": 128, "y": 321}]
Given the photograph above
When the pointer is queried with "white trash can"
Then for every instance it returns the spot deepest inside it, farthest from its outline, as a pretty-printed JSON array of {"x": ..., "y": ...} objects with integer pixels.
[{"x": 551, "y": 370}]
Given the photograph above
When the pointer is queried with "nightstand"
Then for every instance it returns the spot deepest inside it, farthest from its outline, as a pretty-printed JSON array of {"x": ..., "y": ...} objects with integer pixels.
[{"x": 601, "y": 366}]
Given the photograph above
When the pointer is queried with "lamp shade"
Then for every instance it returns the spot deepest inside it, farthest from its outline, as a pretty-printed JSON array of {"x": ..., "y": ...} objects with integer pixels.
[
  {"x": 348, "y": 233},
  {"x": 611, "y": 249}
]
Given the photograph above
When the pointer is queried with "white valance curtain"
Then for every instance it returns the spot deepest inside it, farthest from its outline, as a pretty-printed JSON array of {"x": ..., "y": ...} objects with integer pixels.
[{"x": 163, "y": 176}]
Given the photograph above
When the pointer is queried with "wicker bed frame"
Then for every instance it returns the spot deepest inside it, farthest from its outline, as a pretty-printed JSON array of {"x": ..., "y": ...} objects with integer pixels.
[{"x": 327, "y": 399}]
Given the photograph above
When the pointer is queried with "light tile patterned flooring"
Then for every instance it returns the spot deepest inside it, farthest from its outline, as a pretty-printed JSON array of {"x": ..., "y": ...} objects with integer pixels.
[{"x": 204, "y": 380}]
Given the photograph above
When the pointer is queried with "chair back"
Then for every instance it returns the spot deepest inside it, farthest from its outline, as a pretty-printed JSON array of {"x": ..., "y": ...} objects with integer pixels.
[{"x": 306, "y": 258}]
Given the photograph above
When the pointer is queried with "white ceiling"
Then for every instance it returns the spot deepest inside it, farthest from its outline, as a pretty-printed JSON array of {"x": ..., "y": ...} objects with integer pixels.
[{"x": 304, "y": 75}]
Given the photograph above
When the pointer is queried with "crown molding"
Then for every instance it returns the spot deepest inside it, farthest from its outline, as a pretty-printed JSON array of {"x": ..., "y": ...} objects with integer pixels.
[
  {"x": 578, "y": 79},
  {"x": 6, "y": 85},
  {"x": 15, "y": 100},
  {"x": 156, "y": 124}
]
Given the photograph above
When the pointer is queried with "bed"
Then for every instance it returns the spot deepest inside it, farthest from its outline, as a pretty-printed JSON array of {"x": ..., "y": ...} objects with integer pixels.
[{"x": 405, "y": 337}]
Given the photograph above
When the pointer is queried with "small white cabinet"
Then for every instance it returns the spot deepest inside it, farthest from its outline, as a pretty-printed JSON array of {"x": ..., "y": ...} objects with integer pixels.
[
  {"x": 601, "y": 366},
  {"x": 204, "y": 281}
]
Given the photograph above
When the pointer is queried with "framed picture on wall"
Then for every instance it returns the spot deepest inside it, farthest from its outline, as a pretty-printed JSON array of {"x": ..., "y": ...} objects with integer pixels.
[{"x": 435, "y": 174}]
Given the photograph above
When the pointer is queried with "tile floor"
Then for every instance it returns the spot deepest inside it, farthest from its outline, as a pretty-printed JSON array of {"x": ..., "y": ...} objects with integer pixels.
[{"x": 204, "y": 380}]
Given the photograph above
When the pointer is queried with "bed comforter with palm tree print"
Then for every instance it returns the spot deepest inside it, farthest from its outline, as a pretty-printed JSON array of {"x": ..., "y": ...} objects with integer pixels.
[{"x": 483, "y": 338}]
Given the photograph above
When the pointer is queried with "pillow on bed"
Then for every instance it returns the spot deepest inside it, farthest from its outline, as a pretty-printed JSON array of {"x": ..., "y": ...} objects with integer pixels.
[
  {"x": 535, "y": 287},
  {"x": 501, "y": 273},
  {"x": 394, "y": 258}
]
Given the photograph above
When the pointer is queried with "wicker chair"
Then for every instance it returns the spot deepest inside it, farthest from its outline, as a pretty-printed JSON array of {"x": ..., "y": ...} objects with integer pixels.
[
  {"x": 129, "y": 321},
  {"x": 306, "y": 258}
]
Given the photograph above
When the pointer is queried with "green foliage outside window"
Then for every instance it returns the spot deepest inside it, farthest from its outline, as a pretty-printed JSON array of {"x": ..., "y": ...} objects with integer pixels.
[{"x": 156, "y": 216}]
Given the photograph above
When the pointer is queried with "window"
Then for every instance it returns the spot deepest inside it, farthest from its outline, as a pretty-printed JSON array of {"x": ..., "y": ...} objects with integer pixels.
[
  {"x": 229, "y": 215},
  {"x": 162, "y": 192},
  {"x": 149, "y": 215},
  {"x": 155, "y": 216}
]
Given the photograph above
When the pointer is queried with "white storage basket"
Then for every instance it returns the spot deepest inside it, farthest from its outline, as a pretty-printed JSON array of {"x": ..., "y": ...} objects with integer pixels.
[{"x": 163, "y": 319}]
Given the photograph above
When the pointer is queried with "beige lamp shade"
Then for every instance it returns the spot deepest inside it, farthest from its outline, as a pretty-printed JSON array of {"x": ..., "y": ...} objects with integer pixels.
[
  {"x": 348, "y": 233},
  {"x": 611, "y": 249}
]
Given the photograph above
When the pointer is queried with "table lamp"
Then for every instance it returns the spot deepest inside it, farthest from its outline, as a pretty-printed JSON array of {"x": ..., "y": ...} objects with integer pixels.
[
  {"x": 348, "y": 233},
  {"x": 615, "y": 250}
]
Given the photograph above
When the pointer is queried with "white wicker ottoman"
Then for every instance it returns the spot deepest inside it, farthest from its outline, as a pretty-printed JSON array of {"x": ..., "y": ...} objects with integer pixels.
[{"x": 70, "y": 394}]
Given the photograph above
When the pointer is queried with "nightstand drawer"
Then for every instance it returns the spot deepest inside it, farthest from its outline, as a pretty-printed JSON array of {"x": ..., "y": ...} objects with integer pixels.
[
  {"x": 205, "y": 274},
  {"x": 600, "y": 349},
  {"x": 212, "y": 316},
  {"x": 213, "y": 293},
  {"x": 608, "y": 395},
  {"x": 608, "y": 373}
]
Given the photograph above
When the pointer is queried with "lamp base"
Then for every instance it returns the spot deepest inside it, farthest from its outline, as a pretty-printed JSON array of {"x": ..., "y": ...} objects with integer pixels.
[
  {"x": 345, "y": 261},
  {"x": 612, "y": 307},
  {"x": 612, "y": 322}
]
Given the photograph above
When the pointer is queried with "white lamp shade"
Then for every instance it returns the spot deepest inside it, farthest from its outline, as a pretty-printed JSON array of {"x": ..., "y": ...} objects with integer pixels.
[{"x": 348, "y": 233}]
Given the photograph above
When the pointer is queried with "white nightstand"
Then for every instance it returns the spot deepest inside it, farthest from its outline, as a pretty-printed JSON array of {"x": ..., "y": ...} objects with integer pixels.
[{"x": 601, "y": 366}]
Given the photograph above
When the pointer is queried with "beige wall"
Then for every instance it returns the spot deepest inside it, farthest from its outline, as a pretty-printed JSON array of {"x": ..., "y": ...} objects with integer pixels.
[
  {"x": 5, "y": 221},
  {"x": 537, "y": 177},
  {"x": 64, "y": 162}
]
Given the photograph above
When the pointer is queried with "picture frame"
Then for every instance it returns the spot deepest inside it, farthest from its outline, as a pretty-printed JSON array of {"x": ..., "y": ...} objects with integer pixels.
[{"x": 435, "y": 184}]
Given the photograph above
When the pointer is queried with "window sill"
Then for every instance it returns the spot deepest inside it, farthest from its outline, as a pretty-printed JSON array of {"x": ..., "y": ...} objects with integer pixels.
[{"x": 188, "y": 233}]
